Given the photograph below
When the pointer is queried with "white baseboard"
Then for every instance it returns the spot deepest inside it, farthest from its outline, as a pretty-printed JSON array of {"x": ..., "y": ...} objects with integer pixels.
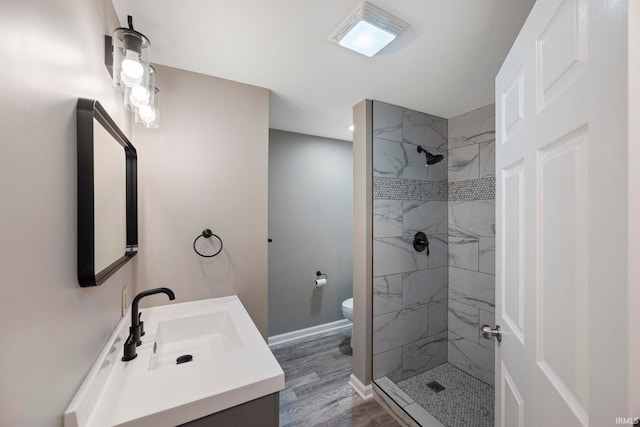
[
  {"x": 365, "y": 391},
  {"x": 300, "y": 334}
]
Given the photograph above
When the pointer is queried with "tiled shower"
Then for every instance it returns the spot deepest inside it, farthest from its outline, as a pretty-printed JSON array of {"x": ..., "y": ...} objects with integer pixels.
[
  {"x": 427, "y": 308},
  {"x": 472, "y": 241},
  {"x": 410, "y": 288}
]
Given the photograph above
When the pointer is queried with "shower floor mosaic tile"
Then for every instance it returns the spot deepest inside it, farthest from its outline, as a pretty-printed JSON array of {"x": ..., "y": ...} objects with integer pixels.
[{"x": 465, "y": 401}]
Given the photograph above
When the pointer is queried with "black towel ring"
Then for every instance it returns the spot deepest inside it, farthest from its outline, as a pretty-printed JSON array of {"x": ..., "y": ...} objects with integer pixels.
[{"x": 206, "y": 233}]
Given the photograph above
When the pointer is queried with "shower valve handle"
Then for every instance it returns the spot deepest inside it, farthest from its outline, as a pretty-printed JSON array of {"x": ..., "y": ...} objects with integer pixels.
[{"x": 421, "y": 242}]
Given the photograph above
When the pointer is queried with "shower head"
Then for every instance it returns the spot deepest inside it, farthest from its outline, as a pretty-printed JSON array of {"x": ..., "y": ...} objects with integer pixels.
[{"x": 431, "y": 159}]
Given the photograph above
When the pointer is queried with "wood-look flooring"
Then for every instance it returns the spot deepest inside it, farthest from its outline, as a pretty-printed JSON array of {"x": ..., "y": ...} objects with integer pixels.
[{"x": 317, "y": 390}]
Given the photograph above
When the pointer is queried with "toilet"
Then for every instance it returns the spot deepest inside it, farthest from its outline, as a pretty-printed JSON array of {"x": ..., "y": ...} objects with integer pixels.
[{"x": 347, "y": 311}]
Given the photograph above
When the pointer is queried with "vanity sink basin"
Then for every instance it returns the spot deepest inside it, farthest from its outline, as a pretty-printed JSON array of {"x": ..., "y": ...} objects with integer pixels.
[
  {"x": 224, "y": 362},
  {"x": 201, "y": 337}
]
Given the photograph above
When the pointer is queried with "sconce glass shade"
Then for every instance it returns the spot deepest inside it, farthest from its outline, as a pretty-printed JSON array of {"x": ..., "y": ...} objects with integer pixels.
[
  {"x": 148, "y": 116},
  {"x": 130, "y": 59},
  {"x": 138, "y": 95}
]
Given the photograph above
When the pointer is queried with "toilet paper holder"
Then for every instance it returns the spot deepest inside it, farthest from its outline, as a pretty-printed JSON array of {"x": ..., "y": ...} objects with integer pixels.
[{"x": 321, "y": 279}]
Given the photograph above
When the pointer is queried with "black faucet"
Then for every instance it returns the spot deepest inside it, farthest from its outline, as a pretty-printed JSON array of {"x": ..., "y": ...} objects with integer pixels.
[{"x": 136, "y": 330}]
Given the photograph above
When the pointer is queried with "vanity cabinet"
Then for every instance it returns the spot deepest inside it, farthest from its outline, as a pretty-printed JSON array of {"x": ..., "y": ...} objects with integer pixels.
[{"x": 261, "y": 412}]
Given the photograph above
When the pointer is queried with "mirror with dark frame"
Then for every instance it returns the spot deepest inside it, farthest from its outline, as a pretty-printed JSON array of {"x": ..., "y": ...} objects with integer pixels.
[{"x": 107, "y": 195}]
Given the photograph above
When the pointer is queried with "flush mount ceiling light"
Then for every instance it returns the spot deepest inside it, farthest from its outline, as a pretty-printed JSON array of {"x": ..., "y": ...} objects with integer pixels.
[
  {"x": 368, "y": 29},
  {"x": 127, "y": 59}
]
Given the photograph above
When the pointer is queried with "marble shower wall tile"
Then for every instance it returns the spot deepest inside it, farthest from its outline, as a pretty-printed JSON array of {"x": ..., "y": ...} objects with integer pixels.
[
  {"x": 393, "y": 255},
  {"x": 424, "y": 354},
  {"x": 474, "y": 127},
  {"x": 472, "y": 288},
  {"x": 387, "y": 294},
  {"x": 475, "y": 217},
  {"x": 400, "y": 328},
  {"x": 438, "y": 250},
  {"x": 463, "y": 320},
  {"x": 464, "y": 163},
  {"x": 471, "y": 220},
  {"x": 463, "y": 251},
  {"x": 387, "y": 121},
  {"x": 424, "y": 286},
  {"x": 424, "y": 129},
  {"x": 429, "y": 217},
  {"x": 397, "y": 160},
  {"x": 487, "y": 255},
  {"x": 396, "y": 329},
  {"x": 471, "y": 357},
  {"x": 487, "y": 159},
  {"x": 387, "y": 218},
  {"x": 388, "y": 364},
  {"x": 410, "y": 288},
  {"x": 437, "y": 318},
  {"x": 390, "y": 159}
]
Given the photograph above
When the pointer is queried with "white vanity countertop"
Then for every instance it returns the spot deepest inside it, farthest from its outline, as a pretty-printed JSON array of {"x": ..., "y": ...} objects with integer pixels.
[{"x": 117, "y": 393}]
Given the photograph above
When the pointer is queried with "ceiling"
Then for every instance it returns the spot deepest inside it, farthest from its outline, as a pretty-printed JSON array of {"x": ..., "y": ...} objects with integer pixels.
[{"x": 444, "y": 63}]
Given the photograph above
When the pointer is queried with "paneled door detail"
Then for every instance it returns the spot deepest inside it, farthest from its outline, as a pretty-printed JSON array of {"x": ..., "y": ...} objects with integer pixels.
[{"x": 545, "y": 170}]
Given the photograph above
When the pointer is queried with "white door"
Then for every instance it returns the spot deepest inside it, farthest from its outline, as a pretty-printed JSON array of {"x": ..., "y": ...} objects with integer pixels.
[{"x": 561, "y": 219}]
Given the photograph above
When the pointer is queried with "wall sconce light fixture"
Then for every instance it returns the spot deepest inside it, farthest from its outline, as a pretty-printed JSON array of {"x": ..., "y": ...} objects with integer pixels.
[{"x": 127, "y": 59}]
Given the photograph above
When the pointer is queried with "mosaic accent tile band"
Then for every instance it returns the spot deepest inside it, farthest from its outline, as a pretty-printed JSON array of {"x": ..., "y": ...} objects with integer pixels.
[
  {"x": 474, "y": 189},
  {"x": 408, "y": 189}
]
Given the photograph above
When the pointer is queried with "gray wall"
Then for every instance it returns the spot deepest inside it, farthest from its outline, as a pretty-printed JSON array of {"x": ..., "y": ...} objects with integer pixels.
[
  {"x": 409, "y": 287},
  {"x": 310, "y": 222},
  {"x": 51, "y": 329},
  {"x": 205, "y": 167},
  {"x": 472, "y": 240}
]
